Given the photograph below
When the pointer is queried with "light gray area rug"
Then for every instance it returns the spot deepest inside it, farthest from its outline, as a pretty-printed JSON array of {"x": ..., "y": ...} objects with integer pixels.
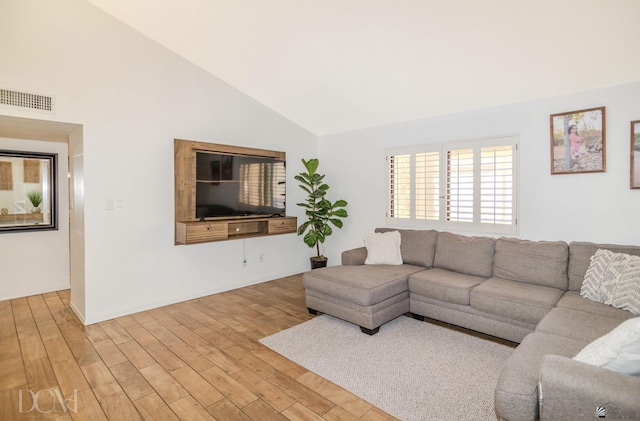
[{"x": 411, "y": 369}]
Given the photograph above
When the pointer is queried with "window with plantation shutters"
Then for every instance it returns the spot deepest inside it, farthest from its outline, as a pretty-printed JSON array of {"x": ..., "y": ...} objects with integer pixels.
[
  {"x": 496, "y": 184},
  {"x": 400, "y": 186},
  {"x": 427, "y": 181},
  {"x": 467, "y": 185},
  {"x": 460, "y": 185}
]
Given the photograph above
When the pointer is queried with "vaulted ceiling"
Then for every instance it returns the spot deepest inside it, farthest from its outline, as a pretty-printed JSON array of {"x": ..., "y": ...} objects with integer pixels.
[{"x": 340, "y": 65}]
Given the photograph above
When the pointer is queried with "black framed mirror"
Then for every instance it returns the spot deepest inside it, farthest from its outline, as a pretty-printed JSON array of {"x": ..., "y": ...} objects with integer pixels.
[{"x": 28, "y": 191}]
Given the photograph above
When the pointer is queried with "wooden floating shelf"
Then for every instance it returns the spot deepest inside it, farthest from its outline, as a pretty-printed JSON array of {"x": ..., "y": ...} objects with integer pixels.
[{"x": 194, "y": 232}]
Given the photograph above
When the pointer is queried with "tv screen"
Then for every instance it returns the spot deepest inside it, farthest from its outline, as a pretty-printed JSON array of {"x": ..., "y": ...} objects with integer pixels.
[{"x": 239, "y": 186}]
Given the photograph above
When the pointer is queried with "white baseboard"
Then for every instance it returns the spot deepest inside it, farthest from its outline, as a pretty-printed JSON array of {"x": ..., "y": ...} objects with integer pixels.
[{"x": 125, "y": 312}]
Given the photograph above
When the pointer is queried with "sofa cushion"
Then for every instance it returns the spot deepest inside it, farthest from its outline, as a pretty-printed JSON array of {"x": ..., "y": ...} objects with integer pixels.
[
  {"x": 535, "y": 262},
  {"x": 613, "y": 279},
  {"x": 469, "y": 255},
  {"x": 517, "y": 389},
  {"x": 512, "y": 299},
  {"x": 444, "y": 285},
  {"x": 363, "y": 285},
  {"x": 383, "y": 248},
  {"x": 618, "y": 350},
  {"x": 579, "y": 325},
  {"x": 572, "y": 300},
  {"x": 417, "y": 246},
  {"x": 580, "y": 258}
]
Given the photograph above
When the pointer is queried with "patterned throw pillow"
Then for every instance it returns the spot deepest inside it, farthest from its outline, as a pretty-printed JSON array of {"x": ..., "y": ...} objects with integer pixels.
[
  {"x": 625, "y": 294},
  {"x": 613, "y": 279},
  {"x": 383, "y": 248},
  {"x": 605, "y": 268}
]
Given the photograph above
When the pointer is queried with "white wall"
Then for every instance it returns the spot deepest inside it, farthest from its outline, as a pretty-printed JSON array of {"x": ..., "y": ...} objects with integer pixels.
[
  {"x": 132, "y": 98},
  {"x": 34, "y": 262},
  {"x": 596, "y": 207}
]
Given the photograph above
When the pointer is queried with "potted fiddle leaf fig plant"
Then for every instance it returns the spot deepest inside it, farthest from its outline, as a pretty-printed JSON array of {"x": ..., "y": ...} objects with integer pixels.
[{"x": 321, "y": 212}]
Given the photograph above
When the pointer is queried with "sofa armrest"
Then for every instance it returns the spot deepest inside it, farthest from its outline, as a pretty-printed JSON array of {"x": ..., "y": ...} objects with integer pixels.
[
  {"x": 571, "y": 389},
  {"x": 355, "y": 256}
]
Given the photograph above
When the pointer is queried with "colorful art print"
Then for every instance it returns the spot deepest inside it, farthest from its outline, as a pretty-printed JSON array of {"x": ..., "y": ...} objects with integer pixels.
[{"x": 578, "y": 141}]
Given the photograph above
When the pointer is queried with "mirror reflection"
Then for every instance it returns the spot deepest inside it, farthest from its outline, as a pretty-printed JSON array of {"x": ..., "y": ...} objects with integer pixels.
[{"x": 27, "y": 191}]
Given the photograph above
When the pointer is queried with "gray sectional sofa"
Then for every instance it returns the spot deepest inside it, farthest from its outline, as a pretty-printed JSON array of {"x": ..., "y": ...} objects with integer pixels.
[{"x": 527, "y": 292}]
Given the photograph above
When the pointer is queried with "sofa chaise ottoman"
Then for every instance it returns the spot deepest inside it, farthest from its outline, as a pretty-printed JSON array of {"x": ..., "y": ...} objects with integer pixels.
[{"x": 369, "y": 295}]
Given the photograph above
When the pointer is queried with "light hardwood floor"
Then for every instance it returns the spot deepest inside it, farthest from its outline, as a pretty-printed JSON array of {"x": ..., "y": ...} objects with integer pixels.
[{"x": 195, "y": 360}]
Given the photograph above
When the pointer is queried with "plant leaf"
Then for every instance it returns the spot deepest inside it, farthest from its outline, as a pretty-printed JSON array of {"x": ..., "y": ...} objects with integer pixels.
[
  {"x": 340, "y": 203},
  {"x": 336, "y": 222},
  {"x": 311, "y": 165},
  {"x": 302, "y": 228},
  {"x": 341, "y": 213},
  {"x": 305, "y": 189},
  {"x": 311, "y": 238}
]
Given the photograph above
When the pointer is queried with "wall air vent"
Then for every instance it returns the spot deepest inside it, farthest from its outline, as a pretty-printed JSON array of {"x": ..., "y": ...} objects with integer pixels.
[{"x": 25, "y": 100}]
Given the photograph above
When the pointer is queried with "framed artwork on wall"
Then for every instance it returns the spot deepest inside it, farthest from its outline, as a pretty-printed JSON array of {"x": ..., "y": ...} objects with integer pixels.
[
  {"x": 635, "y": 154},
  {"x": 28, "y": 191},
  {"x": 578, "y": 141}
]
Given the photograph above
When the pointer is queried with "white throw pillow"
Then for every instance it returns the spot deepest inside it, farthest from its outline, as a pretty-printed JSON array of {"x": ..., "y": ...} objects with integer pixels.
[
  {"x": 613, "y": 279},
  {"x": 618, "y": 350},
  {"x": 383, "y": 248}
]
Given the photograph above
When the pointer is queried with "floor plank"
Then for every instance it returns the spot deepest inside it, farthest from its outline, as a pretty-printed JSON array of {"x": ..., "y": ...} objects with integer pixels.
[
  {"x": 153, "y": 408},
  {"x": 163, "y": 383},
  {"x": 118, "y": 407}
]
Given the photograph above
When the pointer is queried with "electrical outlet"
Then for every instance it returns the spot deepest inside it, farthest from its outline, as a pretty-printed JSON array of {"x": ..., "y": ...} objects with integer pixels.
[{"x": 261, "y": 257}]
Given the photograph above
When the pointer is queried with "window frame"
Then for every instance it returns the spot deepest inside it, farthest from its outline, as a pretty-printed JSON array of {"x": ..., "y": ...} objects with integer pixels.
[{"x": 442, "y": 148}]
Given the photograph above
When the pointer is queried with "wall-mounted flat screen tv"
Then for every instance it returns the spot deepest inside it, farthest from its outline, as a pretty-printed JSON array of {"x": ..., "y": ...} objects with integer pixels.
[{"x": 239, "y": 186}]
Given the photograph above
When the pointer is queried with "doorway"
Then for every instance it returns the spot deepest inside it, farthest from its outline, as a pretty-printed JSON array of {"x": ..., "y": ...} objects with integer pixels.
[{"x": 17, "y": 132}]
